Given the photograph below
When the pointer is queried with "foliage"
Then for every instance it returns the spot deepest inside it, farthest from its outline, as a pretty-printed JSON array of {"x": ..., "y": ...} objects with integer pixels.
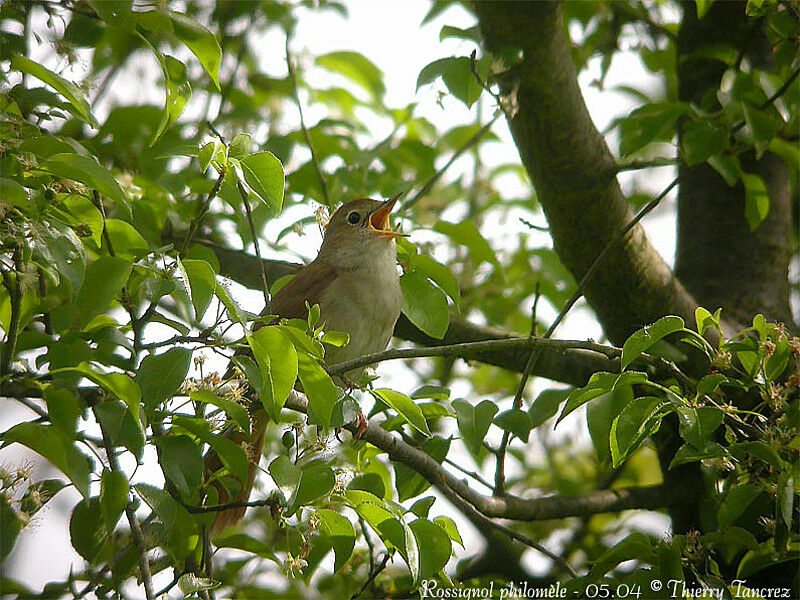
[{"x": 116, "y": 218}]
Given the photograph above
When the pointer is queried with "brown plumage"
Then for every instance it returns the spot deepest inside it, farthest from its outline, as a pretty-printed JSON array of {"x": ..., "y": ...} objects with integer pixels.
[{"x": 355, "y": 282}]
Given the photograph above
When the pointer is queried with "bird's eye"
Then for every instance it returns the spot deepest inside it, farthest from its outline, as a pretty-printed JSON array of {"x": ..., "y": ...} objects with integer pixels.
[{"x": 353, "y": 218}]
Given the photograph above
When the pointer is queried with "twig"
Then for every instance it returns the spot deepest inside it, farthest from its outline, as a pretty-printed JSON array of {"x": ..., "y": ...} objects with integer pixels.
[
  {"x": 499, "y": 482},
  {"x": 781, "y": 90},
  {"x": 314, "y": 160},
  {"x": 262, "y": 271},
  {"x": 229, "y": 505},
  {"x": 533, "y": 226},
  {"x": 436, "y": 176},
  {"x": 202, "y": 208},
  {"x": 130, "y": 513},
  {"x": 509, "y": 506},
  {"x": 467, "y": 349},
  {"x": 11, "y": 283},
  {"x": 373, "y": 574},
  {"x": 635, "y": 165}
]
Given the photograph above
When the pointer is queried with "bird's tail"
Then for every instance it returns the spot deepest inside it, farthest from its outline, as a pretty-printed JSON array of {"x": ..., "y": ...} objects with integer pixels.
[{"x": 253, "y": 446}]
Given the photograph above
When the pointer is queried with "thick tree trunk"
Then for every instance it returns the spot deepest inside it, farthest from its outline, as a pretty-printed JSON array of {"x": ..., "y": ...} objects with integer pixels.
[
  {"x": 574, "y": 172},
  {"x": 720, "y": 261}
]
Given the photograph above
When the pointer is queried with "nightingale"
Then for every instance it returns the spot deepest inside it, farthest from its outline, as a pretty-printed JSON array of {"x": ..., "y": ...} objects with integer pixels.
[{"x": 354, "y": 280}]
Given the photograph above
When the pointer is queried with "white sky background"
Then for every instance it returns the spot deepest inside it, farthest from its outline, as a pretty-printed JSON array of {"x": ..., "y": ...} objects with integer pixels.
[{"x": 388, "y": 32}]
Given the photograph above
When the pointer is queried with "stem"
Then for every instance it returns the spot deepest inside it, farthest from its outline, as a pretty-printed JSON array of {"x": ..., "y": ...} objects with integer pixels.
[
  {"x": 11, "y": 283},
  {"x": 436, "y": 176},
  {"x": 373, "y": 574},
  {"x": 136, "y": 530},
  {"x": 293, "y": 77},
  {"x": 262, "y": 270},
  {"x": 202, "y": 208}
]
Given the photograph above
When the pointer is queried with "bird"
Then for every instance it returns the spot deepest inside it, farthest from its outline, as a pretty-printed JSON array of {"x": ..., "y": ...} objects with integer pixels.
[{"x": 355, "y": 282}]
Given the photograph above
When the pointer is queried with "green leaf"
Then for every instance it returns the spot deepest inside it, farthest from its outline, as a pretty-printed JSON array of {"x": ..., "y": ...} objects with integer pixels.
[
  {"x": 340, "y": 531},
  {"x": 278, "y": 363},
  {"x": 177, "y": 525},
  {"x": 241, "y": 145},
  {"x": 599, "y": 384},
  {"x": 434, "y": 546},
  {"x": 688, "y": 454},
  {"x": 515, "y": 421},
  {"x": 697, "y": 424},
  {"x": 231, "y": 454},
  {"x": 316, "y": 480},
  {"x": 200, "y": 41},
  {"x": 727, "y": 166},
  {"x": 649, "y": 123},
  {"x": 55, "y": 446},
  {"x": 176, "y": 82},
  {"x": 736, "y": 502},
  {"x": 467, "y": 234},
  {"x": 86, "y": 170},
  {"x": 709, "y": 383},
  {"x": 104, "y": 279},
  {"x": 242, "y": 541},
  {"x": 200, "y": 277},
  {"x": 764, "y": 557},
  {"x": 422, "y": 507},
  {"x": 322, "y": 394},
  {"x": 702, "y": 8},
  {"x": 425, "y": 304},
  {"x": 357, "y": 68},
  {"x": 120, "y": 427},
  {"x": 450, "y": 528},
  {"x": 63, "y": 409},
  {"x": 761, "y": 450},
  {"x": 114, "y": 12},
  {"x": 456, "y": 72},
  {"x": 161, "y": 375},
  {"x": 600, "y": 415},
  {"x": 635, "y": 546},
  {"x": 263, "y": 174},
  {"x": 86, "y": 530},
  {"x": 640, "y": 341},
  {"x": 69, "y": 90},
  {"x": 234, "y": 410},
  {"x": 181, "y": 462},
  {"x": 440, "y": 274},
  {"x": 12, "y": 525},
  {"x": 474, "y": 421},
  {"x": 703, "y": 139},
  {"x": 546, "y": 405},
  {"x": 190, "y": 584},
  {"x": 235, "y": 313},
  {"x": 756, "y": 200},
  {"x": 409, "y": 483},
  {"x": 405, "y": 407},
  {"x": 762, "y": 127},
  {"x": 636, "y": 422},
  {"x": 472, "y": 34},
  {"x": 113, "y": 497}
]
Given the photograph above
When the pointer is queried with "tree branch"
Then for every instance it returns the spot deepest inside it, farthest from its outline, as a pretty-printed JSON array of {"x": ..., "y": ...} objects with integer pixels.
[
  {"x": 467, "y": 350},
  {"x": 508, "y": 507}
]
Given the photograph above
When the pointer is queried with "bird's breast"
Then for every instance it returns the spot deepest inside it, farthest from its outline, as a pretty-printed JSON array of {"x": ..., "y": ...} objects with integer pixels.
[{"x": 364, "y": 303}]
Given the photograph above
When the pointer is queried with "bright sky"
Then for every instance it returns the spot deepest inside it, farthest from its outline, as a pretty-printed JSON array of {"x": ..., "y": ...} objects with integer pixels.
[{"x": 388, "y": 32}]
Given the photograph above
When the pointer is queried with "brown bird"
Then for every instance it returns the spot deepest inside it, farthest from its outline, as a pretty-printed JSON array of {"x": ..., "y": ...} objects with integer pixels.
[{"x": 354, "y": 280}]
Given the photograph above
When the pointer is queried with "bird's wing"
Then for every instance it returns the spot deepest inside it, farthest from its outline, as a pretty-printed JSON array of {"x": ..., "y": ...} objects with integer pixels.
[{"x": 306, "y": 286}]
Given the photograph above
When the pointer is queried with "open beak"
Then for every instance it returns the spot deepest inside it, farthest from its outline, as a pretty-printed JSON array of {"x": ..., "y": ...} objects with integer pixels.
[{"x": 379, "y": 219}]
